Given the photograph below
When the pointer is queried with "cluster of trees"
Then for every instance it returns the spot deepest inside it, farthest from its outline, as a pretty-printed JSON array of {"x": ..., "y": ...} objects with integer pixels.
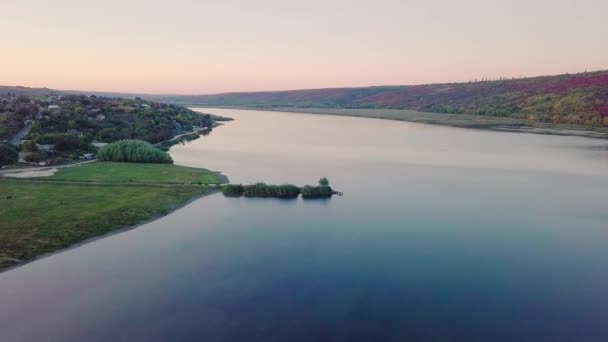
[
  {"x": 133, "y": 151},
  {"x": 323, "y": 190},
  {"x": 65, "y": 142},
  {"x": 166, "y": 145},
  {"x": 266, "y": 190},
  {"x": 8, "y": 154},
  {"x": 112, "y": 119},
  {"x": 233, "y": 190},
  {"x": 14, "y": 110},
  {"x": 99, "y": 118},
  {"x": 261, "y": 190}
]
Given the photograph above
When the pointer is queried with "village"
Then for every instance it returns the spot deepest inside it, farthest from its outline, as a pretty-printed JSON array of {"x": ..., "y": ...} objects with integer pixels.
[{"x": 52, "y": 128}]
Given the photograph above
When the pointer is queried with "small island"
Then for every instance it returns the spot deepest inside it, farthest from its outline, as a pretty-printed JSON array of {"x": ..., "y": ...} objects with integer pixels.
[{"x": 287, "y": 191}]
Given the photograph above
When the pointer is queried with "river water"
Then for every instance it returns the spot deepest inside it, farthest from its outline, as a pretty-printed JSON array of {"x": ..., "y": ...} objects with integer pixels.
[{"x": 442, "y": 234}]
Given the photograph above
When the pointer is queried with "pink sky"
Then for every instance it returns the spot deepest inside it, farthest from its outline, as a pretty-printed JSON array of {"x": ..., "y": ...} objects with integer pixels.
[{"x": 196, "y": 47}]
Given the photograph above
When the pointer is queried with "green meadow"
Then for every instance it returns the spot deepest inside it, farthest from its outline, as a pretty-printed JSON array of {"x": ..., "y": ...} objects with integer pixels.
[{"x": 42, "y": 215}]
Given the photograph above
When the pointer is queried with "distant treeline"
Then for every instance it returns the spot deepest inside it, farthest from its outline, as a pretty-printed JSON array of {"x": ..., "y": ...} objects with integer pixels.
[
  {"x": 578, "y": 99},
  {"x": 323, "y": 190}
]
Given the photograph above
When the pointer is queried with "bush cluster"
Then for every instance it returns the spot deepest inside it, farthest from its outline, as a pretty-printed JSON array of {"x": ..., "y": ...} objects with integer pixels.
[
  {"x": 261, "y": 190},
  {"x": 8, "y": 154},
  {"x": 133, "y": 151},
  {"x": 320, "y": 191},
  {"x": 279, "y": 191},
  {"x": 166, "y": 145},
  {"x": 233, "y": 190},
  {"x": 267, "y": 190}
]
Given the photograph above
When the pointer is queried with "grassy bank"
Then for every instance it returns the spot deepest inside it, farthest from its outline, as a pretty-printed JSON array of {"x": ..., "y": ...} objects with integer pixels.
[
  {"x": 133, "y": 172},
  {"x": 453, "y": 120},
  {"x": 43, "y": 215}
]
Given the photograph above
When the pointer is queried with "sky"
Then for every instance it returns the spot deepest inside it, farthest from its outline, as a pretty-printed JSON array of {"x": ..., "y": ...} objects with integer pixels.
[{"x": 204, "y": 46}]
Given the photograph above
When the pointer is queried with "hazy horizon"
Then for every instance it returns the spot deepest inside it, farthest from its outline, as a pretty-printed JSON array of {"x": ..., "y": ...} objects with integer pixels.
[
  {"x": 288, "y": 89},
  {"x": 205, "y": 47}
]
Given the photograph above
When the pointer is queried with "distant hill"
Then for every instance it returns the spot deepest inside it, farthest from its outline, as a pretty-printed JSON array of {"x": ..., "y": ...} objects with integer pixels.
[
  {"x": 26, "y": 91},
  {"x": 579, "y": 99}
]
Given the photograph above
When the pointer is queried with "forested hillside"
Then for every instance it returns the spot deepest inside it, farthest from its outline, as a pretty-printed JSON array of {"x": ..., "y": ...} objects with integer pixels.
[
  {"x": 93, "y": 117},
  {"x": 579, "y": 99}
]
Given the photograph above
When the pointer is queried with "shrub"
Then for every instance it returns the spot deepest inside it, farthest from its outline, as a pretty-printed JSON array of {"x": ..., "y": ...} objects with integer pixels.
[
  {"x": 256, "y": 190},
  {"x": 133, "y": 151},
  {"x": 321, "y": 191},
  {"x": 265, "y": 190},
  {"x": 36, "y": 157},
  {"x": 286, "y": 191},
  {"x": 62, "y": 142},
  {"x": 166, "y": 145},
  {"x": 233, "y": 190},
  {"x": 8, "y": 154},
  {"x": 29, "y": 146}
]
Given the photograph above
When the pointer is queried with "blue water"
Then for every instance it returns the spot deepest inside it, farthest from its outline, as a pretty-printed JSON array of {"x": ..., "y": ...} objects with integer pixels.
[{"x": 442, "y": 234}]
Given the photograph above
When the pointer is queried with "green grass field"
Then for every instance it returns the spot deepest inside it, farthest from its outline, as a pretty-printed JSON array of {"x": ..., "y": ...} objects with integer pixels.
[
  {"x": 133, "y": 172},
  {"x": 41, "y": 216}
]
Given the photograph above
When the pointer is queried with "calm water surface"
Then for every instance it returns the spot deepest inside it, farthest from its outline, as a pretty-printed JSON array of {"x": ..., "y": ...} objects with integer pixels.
[{"x": 443, "y": 234}]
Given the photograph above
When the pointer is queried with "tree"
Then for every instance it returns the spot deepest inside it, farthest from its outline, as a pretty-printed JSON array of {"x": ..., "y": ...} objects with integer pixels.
[
  {"x": 324, "y": 181},
  {"x": 8, "y": 154},
  {"x": 29, "y": 146}
]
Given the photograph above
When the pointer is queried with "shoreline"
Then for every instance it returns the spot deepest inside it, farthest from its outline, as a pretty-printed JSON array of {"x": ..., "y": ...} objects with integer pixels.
[
  {"x": 115, "y": 231},
  {"x": 467, "y": 121},
  {"x": 163, "y": 206}
]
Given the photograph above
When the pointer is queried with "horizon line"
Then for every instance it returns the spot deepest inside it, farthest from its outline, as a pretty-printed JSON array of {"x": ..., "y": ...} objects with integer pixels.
[{"x": 307, "y": 89}]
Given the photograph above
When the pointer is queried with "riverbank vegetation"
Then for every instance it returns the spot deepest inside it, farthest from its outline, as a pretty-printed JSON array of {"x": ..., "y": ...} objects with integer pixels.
[
  {"x": 571, "y": 99},
  {"x": 268, "y": 190},
  {"x": 323, "y": 190},
  {"x": 42, "y": 215},
  {"x": 261, "y": 190},
  {"x": 458, "y": 120},
  {"x": 166, "y": 145},
  {"x": 133, "y": 151},
  {"x": 8, "y": 154}
]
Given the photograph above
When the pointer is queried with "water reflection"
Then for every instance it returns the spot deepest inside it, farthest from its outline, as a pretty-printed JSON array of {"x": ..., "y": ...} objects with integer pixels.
[{"x": 443, "y": 234}]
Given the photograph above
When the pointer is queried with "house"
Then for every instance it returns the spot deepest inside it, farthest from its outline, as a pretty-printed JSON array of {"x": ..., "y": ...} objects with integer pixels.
[
  {"x": 53, "y": 108},
  {"x": 101, "y": 117},
  {"x": 88, "y": 156},
  {"x": 98, "y": 144}
]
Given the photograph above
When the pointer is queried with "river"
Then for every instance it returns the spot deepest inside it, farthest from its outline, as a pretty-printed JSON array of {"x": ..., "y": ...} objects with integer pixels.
[{"x": 442, "y": 233}]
